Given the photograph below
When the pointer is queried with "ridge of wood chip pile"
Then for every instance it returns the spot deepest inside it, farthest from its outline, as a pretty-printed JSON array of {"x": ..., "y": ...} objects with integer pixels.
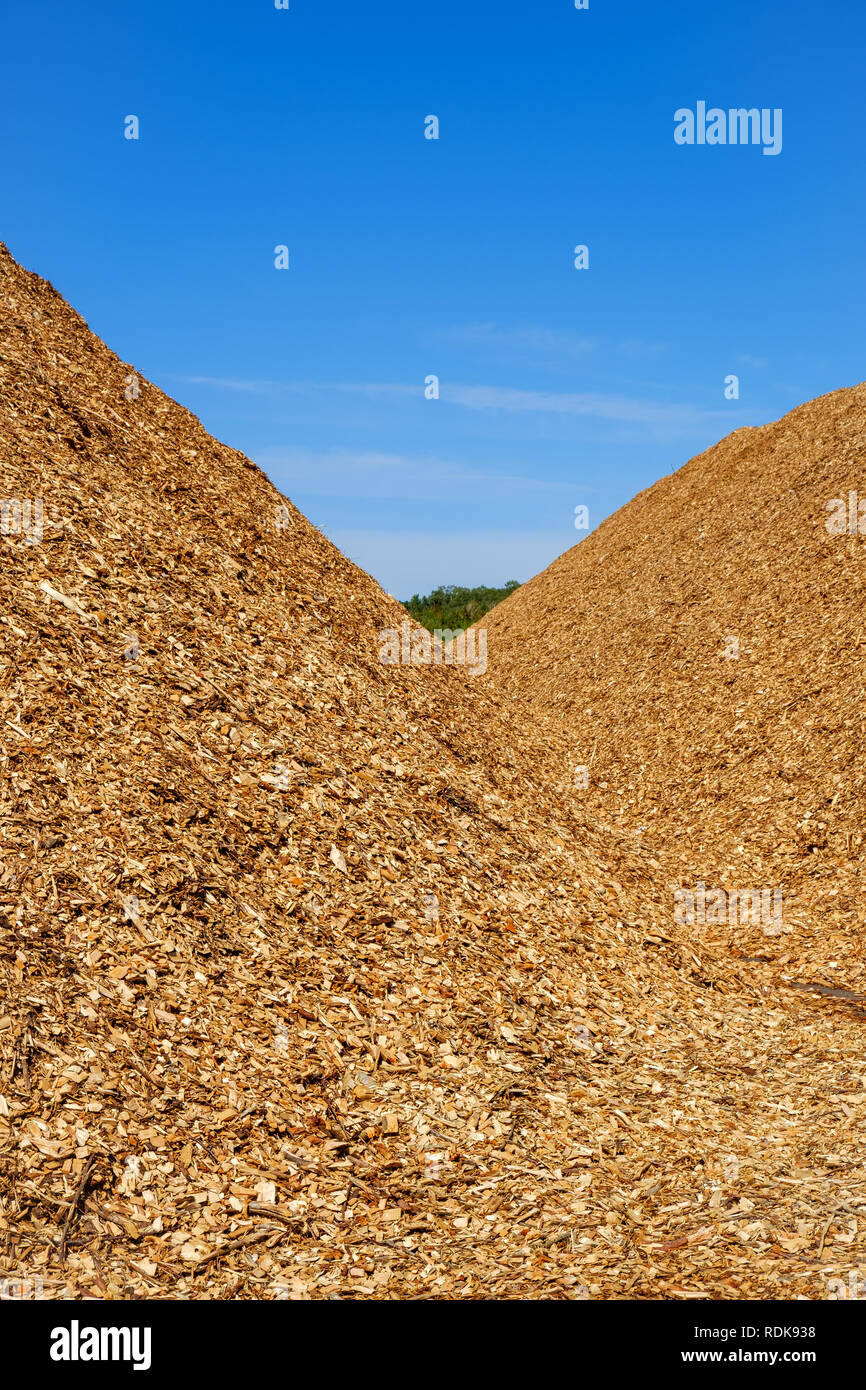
[{"x": 319, "y": 979}]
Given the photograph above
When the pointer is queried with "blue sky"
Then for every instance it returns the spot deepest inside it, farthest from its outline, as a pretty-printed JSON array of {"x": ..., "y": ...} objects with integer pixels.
[{"x": 410, "y": 257}]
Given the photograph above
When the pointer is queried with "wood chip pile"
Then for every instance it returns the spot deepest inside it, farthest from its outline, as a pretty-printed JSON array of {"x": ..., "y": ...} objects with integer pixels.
[
  {"x": 702, "y": 655},
  {"x": 317, "y": 978}
]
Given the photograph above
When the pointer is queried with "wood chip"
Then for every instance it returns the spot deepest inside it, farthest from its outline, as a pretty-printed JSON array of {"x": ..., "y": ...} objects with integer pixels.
[{"x": 280, "y": 920}]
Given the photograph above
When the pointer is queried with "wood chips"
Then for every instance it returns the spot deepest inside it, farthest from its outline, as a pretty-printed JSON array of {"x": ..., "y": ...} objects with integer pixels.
[{"x": 320, "y": 977}]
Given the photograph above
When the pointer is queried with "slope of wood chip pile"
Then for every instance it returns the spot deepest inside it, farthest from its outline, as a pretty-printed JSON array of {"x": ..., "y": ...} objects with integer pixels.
[
  {"x": 702, "y": 655},
  {"x": 316, "y": 978}
]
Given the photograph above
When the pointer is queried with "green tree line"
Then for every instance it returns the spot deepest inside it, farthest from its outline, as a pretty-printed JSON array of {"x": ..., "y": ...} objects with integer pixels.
[{"x": 452, "y": 606}]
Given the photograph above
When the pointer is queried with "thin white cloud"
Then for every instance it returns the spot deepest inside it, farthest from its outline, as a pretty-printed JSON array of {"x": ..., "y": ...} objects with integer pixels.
[
  {"x": 522, "y": 339},
  {"x": 370, "y": 388},
  {"x": 223, "y": 383},
  {"x": 347, "y": 472},
  {"x": 264, "y": 387},
  {"x": 640, "y": 349},
  {"x": 630, "y": 409},
  {"x": 622, "y": 409}
]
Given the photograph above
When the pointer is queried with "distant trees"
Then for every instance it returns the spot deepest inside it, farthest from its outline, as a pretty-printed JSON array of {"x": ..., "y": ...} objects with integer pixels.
[{"x": 453, "y": 606}]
